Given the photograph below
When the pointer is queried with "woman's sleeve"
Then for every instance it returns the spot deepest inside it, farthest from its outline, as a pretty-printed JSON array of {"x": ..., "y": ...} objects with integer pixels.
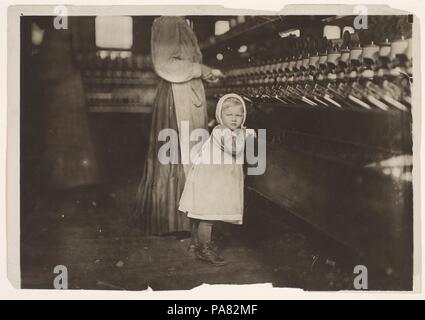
[{"x": 166, "y": 46}]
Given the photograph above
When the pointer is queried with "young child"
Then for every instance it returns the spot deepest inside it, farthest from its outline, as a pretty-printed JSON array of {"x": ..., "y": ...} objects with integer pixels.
[{"x": 214, "y": 189}]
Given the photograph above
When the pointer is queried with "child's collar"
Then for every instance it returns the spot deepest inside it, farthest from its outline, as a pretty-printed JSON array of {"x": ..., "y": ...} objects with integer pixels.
[{"x": 235, "y": 132}]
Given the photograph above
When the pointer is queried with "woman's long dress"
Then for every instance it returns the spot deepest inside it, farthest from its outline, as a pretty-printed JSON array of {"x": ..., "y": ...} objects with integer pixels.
[{"x": 180, "y": 97}]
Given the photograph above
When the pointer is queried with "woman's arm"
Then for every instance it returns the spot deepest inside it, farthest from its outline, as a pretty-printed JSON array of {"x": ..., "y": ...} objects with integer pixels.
[{"x": 166, "y": 46}]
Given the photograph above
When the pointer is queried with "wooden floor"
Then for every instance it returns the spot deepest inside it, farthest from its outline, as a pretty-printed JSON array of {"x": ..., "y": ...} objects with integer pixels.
[{"x": 88, "y": 232}]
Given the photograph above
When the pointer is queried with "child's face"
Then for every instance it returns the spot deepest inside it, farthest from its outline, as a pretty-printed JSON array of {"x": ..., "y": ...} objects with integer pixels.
[{"x": 232, "y": 115}]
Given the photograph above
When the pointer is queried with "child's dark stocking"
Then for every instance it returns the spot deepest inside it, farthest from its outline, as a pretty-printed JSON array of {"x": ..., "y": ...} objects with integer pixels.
[
  {"x": 204, "y": 231},
  {"x": 194, "y": 241},
  {"x": 207, "y": 252}
]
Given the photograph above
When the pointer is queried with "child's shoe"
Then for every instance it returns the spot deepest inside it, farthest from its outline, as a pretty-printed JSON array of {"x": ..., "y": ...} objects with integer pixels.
[
  {"x": 214, "y": 246},
  {"x": 194, "y": 246},
  {"x": 207, "y": 254}
]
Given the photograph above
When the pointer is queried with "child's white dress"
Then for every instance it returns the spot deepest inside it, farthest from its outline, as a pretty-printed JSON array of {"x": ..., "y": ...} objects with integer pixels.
[{"x": 214, "y": 191}]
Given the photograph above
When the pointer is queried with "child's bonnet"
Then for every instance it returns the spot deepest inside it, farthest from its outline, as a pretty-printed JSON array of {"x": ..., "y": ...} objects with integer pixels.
[{"x": 223, "y": 140}]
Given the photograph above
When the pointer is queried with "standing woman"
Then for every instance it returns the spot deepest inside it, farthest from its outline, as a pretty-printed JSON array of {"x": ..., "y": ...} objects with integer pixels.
[
  {"x": 69, "y": 154},
  {"x": 177, "y": 60}
]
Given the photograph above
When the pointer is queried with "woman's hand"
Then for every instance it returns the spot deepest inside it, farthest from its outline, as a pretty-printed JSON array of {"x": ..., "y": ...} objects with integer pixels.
[
  {"x": 212, "y": 79},
  {"x": 206, "y": 72},
  {"x": 217, "y": 73},
  {"x": 216, "y": 76},
  {"x": 211, "y": 75}
]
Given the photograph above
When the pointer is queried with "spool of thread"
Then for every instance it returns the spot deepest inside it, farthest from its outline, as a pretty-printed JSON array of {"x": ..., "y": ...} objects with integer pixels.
[
  {"x": 371, "y": 52},
  {"x": 313, "y": 61},
  {"x": 398, "y": 47},
  {"x": 385, "y": 49},
  {"x": 356, "y": 53}
]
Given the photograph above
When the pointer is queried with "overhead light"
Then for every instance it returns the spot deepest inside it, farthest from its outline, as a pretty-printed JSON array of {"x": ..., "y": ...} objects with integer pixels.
[
  {"x": 243, "y": 49},
  {"x": 103, "y": 54},
  {"x": 292, "y": 32},
  {"x": 333, "y": 18},
  {"x": 114, "y": 32},
  {"x": 221, "y": 27},
  {"x": 332, "y": 32},
  {"x": 114, "y": 55},
  {"x": 349, "y": 29},
  {"x": 125, "y": 54},
  {"x": 37, "y": 34},
  {"x": 240, "y": 19},
  {"x": 219, "y": 56}
]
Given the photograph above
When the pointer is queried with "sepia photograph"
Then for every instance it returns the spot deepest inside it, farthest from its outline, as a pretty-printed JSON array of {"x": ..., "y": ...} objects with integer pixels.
[{"x": 171, "y": 151}]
